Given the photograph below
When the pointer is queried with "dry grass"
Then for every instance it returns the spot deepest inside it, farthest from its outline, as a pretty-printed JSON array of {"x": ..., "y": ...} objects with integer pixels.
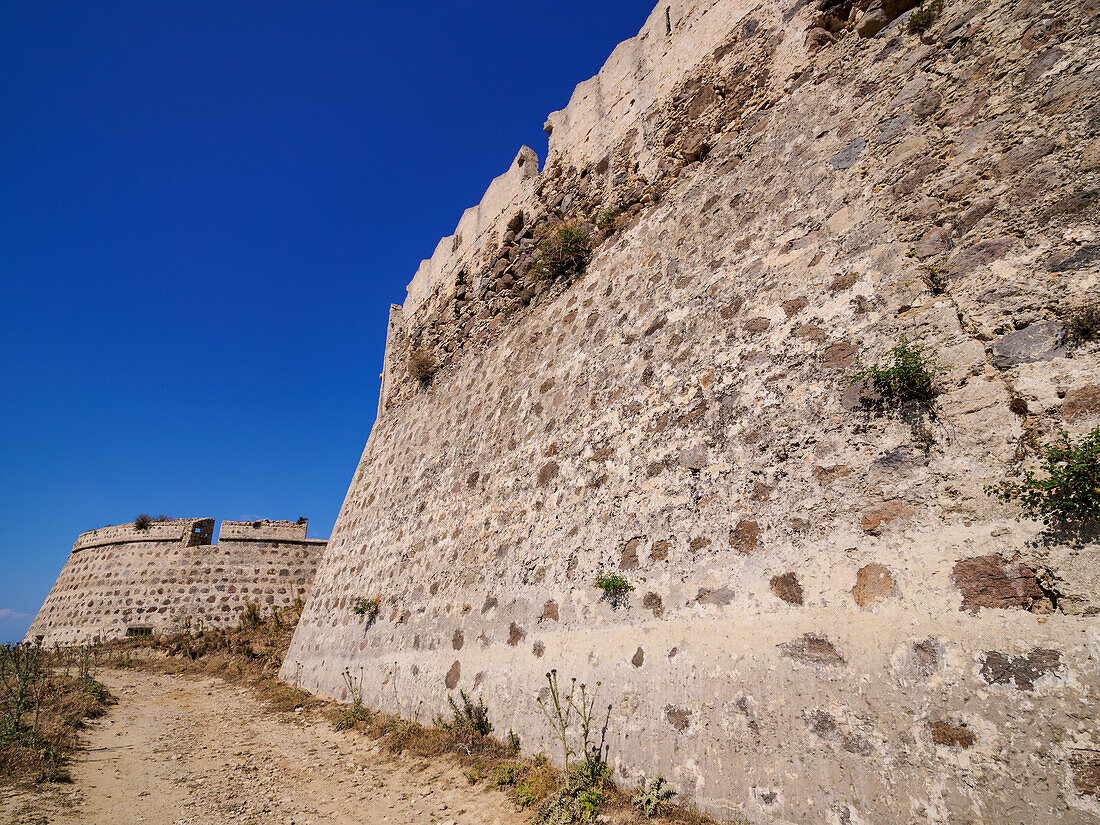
[
  {"x": 251, "y": 656},
  {"x": 40, "y": 753},
  {"x": 422, "y": 364}
]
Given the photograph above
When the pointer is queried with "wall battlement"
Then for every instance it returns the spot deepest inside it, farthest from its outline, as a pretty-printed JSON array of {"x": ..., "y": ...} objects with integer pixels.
[
  {"x": 168, "y": 575},
  {"x": 830, "y": 621},
  {"x": 188, "y": 532}
]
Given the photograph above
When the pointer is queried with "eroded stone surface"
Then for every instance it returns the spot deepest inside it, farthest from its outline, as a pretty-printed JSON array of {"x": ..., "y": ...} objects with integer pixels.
[{"x": 691, "y": 389}]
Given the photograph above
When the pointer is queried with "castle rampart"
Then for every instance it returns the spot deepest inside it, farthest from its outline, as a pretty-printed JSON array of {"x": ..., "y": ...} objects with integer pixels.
[
  {"x": 830, "y": 620},
  {"x": 166, "y": 575}
]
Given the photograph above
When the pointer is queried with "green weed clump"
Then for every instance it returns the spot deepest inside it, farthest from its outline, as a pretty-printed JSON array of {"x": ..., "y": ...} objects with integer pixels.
[
  {"x": 650, "y": 800},
  {"x": 367, "y": 607},
  {"x": 1084, "y": 322},
  {"x": 907, "y": 375},
  {"x": 922, "y": 19},
  {"x": 563, "y": 249},
  {"x": 1068, "y": 492},
  {"x": 615, "y": 588},
  {"x": 468, "y": 717},
  {"x": 251, "y": 616}
]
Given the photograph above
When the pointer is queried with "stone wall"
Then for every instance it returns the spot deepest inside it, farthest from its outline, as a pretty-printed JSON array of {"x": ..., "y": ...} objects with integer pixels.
[
  {"x": 831, "y": 621},
  {"x": 125, "y": 579}
]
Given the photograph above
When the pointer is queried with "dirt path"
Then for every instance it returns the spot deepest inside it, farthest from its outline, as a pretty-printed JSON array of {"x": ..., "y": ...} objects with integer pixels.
[{"x": 176, "y": 751}]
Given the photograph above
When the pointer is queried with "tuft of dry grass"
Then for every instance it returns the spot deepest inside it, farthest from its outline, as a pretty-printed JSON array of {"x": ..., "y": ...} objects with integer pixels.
[
  {"x": 422, "y": 364},
  {"x": 1084, "y": 322}
]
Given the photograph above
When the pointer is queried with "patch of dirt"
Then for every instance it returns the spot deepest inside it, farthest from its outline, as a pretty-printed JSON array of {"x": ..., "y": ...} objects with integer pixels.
[{"x": 181, "y": 751}]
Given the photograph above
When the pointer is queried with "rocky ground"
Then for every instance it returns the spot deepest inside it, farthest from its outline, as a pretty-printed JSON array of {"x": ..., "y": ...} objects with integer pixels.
[{"x": 183, "y": 751}]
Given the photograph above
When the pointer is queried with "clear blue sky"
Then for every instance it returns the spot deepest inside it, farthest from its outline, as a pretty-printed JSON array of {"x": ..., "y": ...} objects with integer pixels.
[{"x": 206, "y": 209}]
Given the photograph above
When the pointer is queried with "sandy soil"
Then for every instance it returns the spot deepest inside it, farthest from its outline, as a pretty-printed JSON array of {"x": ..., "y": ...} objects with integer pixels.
[{"x": 177, "y": 751}]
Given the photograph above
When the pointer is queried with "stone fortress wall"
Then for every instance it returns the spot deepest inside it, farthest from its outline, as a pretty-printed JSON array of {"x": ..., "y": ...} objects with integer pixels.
[
  {"x": 831, "y": 621},
  {"x": 123, "y": 579}
]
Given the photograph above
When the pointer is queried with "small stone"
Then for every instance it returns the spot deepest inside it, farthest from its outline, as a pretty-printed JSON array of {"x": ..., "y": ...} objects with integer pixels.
[
  {"x": 696, "y": 145},
  {"x": 694, "y": 458},
  {"x": 1081, "y": 402},
  {"x": 722, "y": 596},
  {"x": 679, "y": 718},
  {"x": 639, "y": 658},
  {"x": 652, "y": 602},
  {"x": 847, "y": 156},
  {"x": 516, "y": 634},
  {"x": 986, "y": 581},
  {"x": 451, "y": 680},
  {"x": 875, "y": 519},
  {"x": 1025, "y": 156},
  {"x": 1020, "y": 671},
  {"x": 812, "y": 649},
  {"x": 1043, "y": 341},
  {"x": 955, "y": 736},
  {"x": 745, "y": 536},
  {"x": 818, "y": 38},
  {"x": 873, "y": 21},
  {"x": 628, "y": 560},
  {"x": 787, "y": 588},
  {"x": 933, "y": 243},
  {"x": 874, "y": 584}
]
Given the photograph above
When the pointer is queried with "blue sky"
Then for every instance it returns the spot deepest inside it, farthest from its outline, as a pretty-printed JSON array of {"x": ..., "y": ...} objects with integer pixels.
[{"x": 206, "y": 209}]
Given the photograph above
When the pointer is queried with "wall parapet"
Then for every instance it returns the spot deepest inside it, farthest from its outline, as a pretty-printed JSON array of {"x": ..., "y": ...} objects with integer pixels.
[
  {"x": 262, "y": 530},
  {"x": 191, "y": 532}
]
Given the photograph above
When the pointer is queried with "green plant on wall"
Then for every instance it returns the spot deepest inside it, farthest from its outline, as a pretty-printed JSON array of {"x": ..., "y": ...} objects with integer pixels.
[
  {"x": 907, "y": 374},
  {"x": 563, "y": 249},
  {"x": 1084, "y": 322},
  {"x": 367, "y": 607},
  {"x": 615, "y": 588},
  {"x": 922, "y": 19},
  {"x": 1068, "y": 491}
]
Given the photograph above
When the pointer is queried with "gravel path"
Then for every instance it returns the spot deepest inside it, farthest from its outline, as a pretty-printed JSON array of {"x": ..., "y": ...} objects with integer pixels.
[{"x": 178, "y": 751}]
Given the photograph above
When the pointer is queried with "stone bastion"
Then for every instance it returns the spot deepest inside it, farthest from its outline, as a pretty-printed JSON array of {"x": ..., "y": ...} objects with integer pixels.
[
  {"x": 158, "y": 578},
  {"x": 831, "y": 621}
]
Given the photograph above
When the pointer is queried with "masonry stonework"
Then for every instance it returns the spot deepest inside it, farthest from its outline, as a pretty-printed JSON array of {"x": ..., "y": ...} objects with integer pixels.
[
  {"x": 166, "y": 576},
  {"x": 831, "y": 621}
]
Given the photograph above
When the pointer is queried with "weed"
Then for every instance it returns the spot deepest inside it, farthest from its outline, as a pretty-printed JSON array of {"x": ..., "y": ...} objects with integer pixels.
[
  {"x": 649, "y": 801},
  {"x": 935, "y": 276},
  {"x": 540, "y": 782},
  {"x": 607, "y": 218},
  {"x": 922, "y": 19},
  {"x": 41, "y": 709},
  {"x": 1084, "y": 322},
  {"x": 474, "y": 775},
  {"x": 574, "y": 804},
  {"x": 302, "y": 520},
  {"x": 251, "y": 616},
  {"x": 563, "y": 710},
  {"x": 505, "y": 775},
  {"x": 563, "y": 249},
  {"x": 422, "y": 364},
  {"x": 615, "y": 588},
  {"x": 1069, "y": 494},
  {"x": 142, "y": 522},
  {"x": 512, "y": 743},
  {"x": 907, "y": 376},
  {"x": 468, "y": 717},
  {"x": 367, "y": 607}
]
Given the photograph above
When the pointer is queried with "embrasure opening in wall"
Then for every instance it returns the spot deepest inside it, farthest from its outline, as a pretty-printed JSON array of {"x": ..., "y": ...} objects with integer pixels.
[{"x": 668, "y": 20}]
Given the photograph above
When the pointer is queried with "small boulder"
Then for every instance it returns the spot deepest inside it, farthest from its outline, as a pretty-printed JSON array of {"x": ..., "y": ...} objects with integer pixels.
[{"x": 1043, "y": 341}]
